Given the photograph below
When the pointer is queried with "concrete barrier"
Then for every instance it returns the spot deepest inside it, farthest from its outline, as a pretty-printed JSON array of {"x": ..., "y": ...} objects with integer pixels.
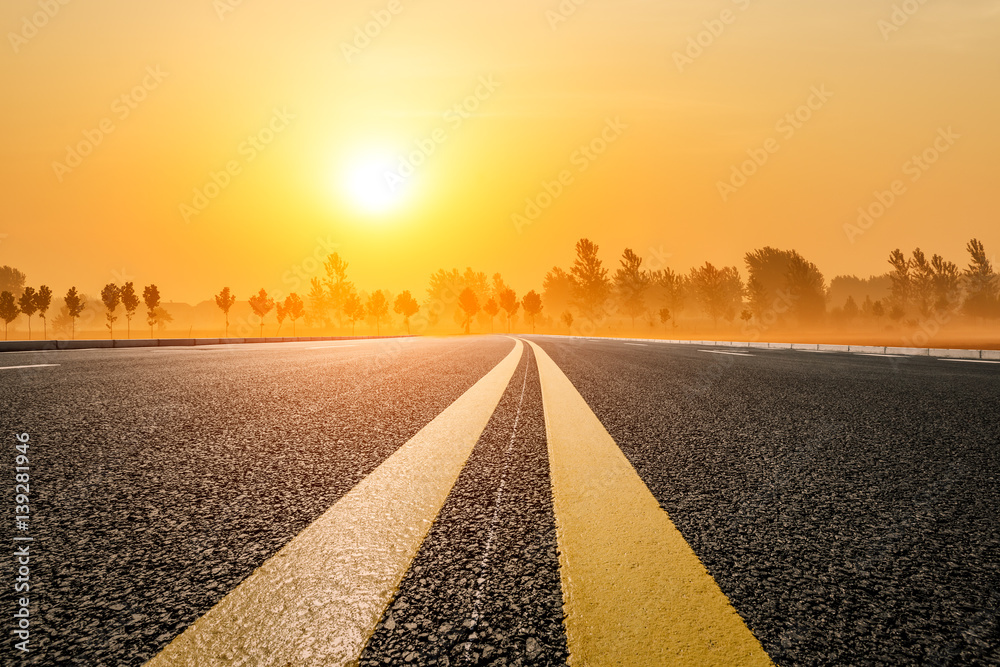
[
  {"x": 834, "y": 348},
  {"x": 867, "y": 349},
  {"x": 779, "y": 346},
  {"x": 207, "y": 341},
  {"x": 805, "y": 346},
  {"x": 176, "y": 342},
  {"x": 908, "y": 351},
  {"x": 134, "y": 342},
  {"x": 954, "y": 354},
  {"x": 990, "y": 355},
  {"x": 27, "y": 345},
  {"x": 83, "y": 344}
]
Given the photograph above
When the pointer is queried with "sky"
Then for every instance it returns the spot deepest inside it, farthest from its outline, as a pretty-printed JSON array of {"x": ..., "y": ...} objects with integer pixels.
[{"x": 198, "y": 144}]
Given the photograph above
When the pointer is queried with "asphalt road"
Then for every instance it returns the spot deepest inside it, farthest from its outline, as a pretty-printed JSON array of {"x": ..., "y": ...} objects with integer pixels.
[{"x": 846, "y": 505}]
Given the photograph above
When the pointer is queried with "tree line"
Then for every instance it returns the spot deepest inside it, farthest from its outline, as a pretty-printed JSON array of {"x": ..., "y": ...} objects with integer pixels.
[{"x": 781, "y": 288}]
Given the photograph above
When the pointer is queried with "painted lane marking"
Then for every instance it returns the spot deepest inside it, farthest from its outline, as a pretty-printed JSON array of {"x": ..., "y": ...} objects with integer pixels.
[
  {"x": 890, "y": 356},
  {"x": 327, "y": 347},
  {"x": 7, "y": 368},
  {"x": 634, "y": 593},
  {"x": 637, "y": 344},
  {"x": 318, "y": 600},
  {"x": 734, "y": 354}
]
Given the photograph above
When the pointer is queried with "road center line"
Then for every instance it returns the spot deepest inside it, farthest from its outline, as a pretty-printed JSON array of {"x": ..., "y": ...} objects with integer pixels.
[
  {"x": 972, "y": 361},
  {"x": 8, "y": 368},
  {"x": 633, "y": 590},
  {"x": 734, "y": 354},
  {"x": 889, "y": 356},
  {"x": 318, "y": 600}
]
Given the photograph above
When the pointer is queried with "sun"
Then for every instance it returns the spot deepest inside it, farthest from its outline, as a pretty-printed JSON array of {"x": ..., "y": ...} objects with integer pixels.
[{"x": 372, "y": 184}]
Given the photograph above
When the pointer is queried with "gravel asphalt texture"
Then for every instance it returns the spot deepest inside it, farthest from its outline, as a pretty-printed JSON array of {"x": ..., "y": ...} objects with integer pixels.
[
  {"x": 847, "y": 505},
  {"x": 161, "y": 478},
  {"x": 484, "y": 588}
]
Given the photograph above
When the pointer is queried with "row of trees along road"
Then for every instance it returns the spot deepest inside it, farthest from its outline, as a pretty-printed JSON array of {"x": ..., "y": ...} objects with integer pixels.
[{"x": 781, "y": 288}]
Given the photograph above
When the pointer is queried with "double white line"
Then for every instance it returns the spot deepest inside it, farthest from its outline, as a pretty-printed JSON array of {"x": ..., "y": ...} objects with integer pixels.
[{"x": 634, "y": 592}]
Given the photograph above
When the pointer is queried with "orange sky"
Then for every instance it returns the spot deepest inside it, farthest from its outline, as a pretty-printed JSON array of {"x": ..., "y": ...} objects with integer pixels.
[{"x": 200, "y": 77}]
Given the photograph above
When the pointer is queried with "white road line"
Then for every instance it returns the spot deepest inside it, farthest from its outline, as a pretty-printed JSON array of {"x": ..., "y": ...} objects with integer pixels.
[
  {"x": 891, "y": 356},
  {"x": 7, "y": 368},
  {"x": 735, "y": 354},
  {"x": 637, "y": 344},
  {"x": 971, "y": 361},
  {"x": 327, "y": 347}
]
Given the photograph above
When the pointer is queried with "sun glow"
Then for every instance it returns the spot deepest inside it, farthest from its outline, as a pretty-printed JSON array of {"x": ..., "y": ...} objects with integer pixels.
[{"x": 372, "y": 184}]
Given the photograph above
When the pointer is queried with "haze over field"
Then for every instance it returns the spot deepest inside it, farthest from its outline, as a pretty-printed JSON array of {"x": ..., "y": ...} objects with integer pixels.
[{"x": 291, "y": 116}]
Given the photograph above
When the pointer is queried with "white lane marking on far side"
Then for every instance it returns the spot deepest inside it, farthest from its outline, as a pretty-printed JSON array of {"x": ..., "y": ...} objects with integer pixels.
[
  {"x": 891, "y": 356},
  {"x": 972, "y": 361},
  {"x": 637, "y": 344},
  {"x": 734, "y": 354},
  {"x": 327, "y": 347},
  {"x": 7, "y": 368}
]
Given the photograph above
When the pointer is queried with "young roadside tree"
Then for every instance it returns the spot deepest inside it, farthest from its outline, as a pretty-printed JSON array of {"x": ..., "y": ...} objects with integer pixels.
[
  {"x": 902, "y": 283},
  {"x": 981, "y": 283},
  {"x": 719, "y": 291},
  {"x": 922, "y": 282},
  {"x": 319, "y": 304},
  {"x": 43, "y": 299},
  {"x": 294, "y": 308},
  {"x": 567, "y": 318},
  {"x": 377, "y": 307},
  {"x": 74, "y": 306},
  {"x": 947, "y": 283},
  {"x": 406, "y": 306},
  {"x": 111, "y": 297},
  {"x": 631, "y": 283},
  {"x": 354, "y": 309},
  {"x": 509, "y": 303},
  {"x": 131, "y": 302},
  {"x": 282, "y": 312},
  {"x": 590, "y": 286},
  {"x": 532, "y": 303},
  {"x": 8, "y": 310},
  {"x": 491, "y": 308},
  {"x": 337, "y": 285},
  {"x": 557, "y": 290},
  {"x": 261, "y": 304},
  {"x": 669, "y": 288},
  {"x": 28, "y": 305},
  {"x": 469, "y": 303},
  {"x": 225, "y": 300},
  {"x": 665, "y": 315},
  {"x": 151, "y": 297}
]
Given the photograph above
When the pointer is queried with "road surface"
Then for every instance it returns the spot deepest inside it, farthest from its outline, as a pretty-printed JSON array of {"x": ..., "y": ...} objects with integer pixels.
[{"x": 486, "y": 501}]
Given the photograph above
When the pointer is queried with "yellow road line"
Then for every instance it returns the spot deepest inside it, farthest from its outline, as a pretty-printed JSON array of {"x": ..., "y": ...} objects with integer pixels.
[
  {"x": 634, "y": 593},
  {"x": 317, "y": 601}
]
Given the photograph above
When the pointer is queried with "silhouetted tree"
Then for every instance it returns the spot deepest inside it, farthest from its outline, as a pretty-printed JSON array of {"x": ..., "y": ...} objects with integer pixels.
[
  {"x": 378, "y": 307},
  {"x": 406, "y": 306},
  {"x": 922, "y": 282},
  {"x": 294, "y": 308},
  {"x": 567, "y": 318},
  {"x": 557, "y": 290},
  {"x": 338, "y": 286},
  {"x": 354, "y": 309},
  {"x": 43, "y": 299},
  {"x": 532, "y": 303},
  {"x": 28, "y": 305},
  {"x": 878, "y": 310},
  {"x": 947, "y": 283},
  {"x": 8, "y": 310},
  {"x": 719, "y": 291},
  {"x": 784, "y": 277},
  {"x": 225, "y": 300},
  {"x": 111, "y": 296},
  {"x": 631, "y": 283},
  {"x": 669, "y": 288},
  {"x": 590, "y": 286},
  {"x": 509, "y": 304},
  {"x": 981, "y": 283},
  {"x": 469, "y": 303},
  {"x": 899, "y": 299},
  {"x": 12, "y": 280},
  {"x": 319, "y": 303},
  {"x": 74, "y": 306},
  {"x": 807, "y": 289},
  {"x": 281, "y": 312},
  {"x": 151, "y": 297},
  {"x": 131, "y": 302},
  {"x": 491, "y": 308},
  {"x": 261, "y": 304},
  {"x": 850, "y": 309}
]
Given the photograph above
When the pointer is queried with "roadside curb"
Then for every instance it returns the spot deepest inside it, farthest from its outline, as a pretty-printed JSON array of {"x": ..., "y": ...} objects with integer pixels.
[
  {"x": 941, "y": 353},
  {"x": 47, "y": 345}
]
